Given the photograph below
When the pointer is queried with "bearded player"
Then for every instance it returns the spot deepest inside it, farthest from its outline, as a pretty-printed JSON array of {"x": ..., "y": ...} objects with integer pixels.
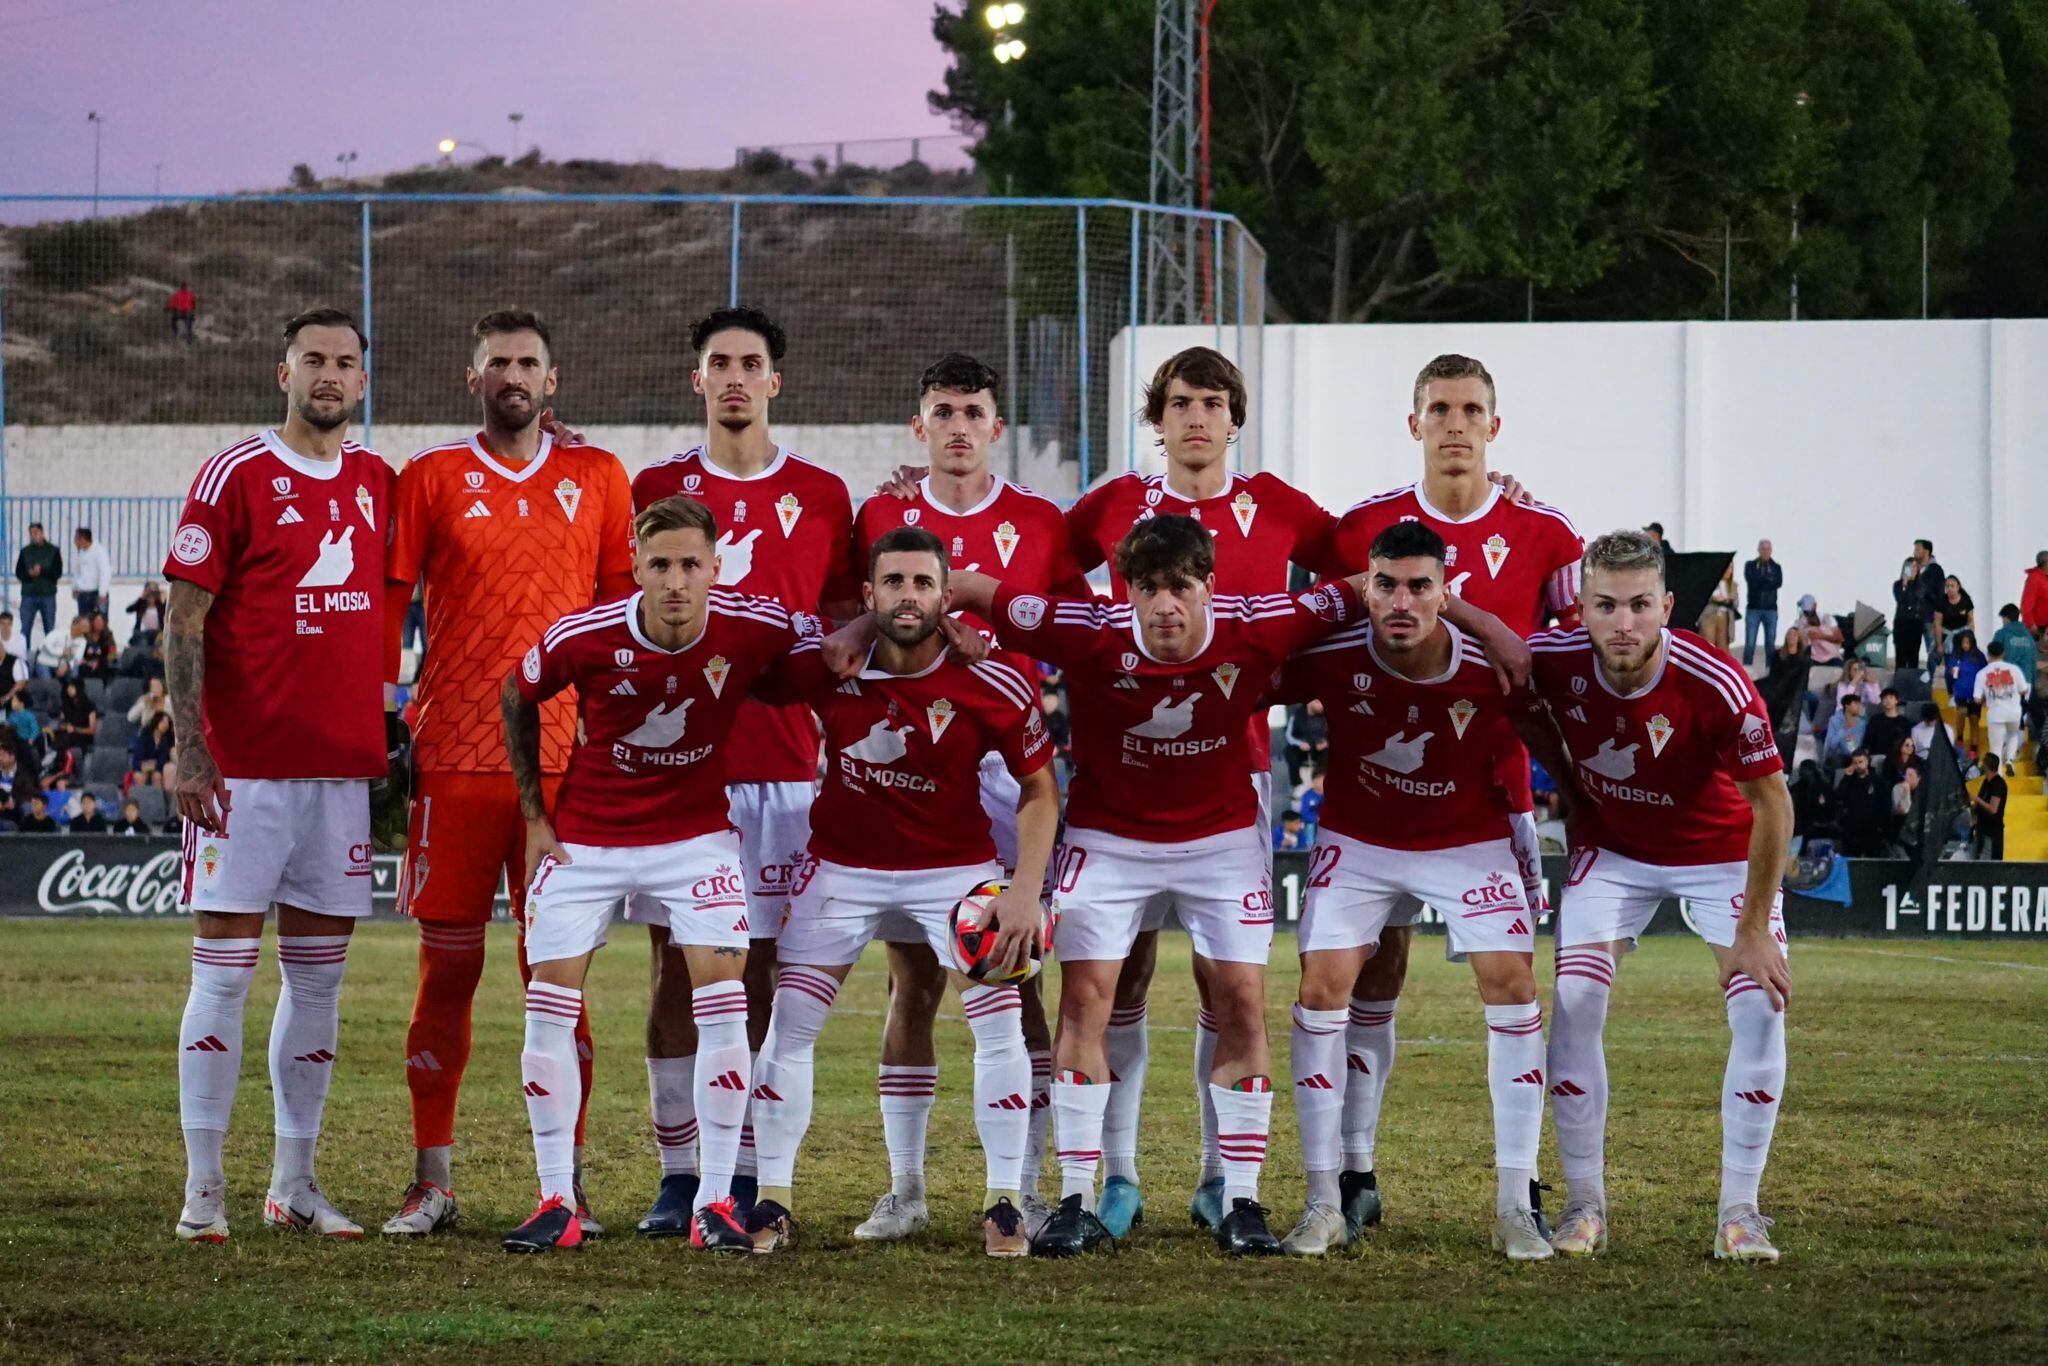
[
  {"x": 510, "y": 531},
  {"x": 785, "y": 532},
  {"x": 1515, "y": 559},
  {"x": 906, "y": 745},
  {"x": 1418, "y": 729},
  {"x": 990, "y": 525},
  {"x": 1161, "y": 687},
  {"x": 1681, "y": 794},
  {"x": 659, "y": 678},
  {"x": 272, "y": 653}
]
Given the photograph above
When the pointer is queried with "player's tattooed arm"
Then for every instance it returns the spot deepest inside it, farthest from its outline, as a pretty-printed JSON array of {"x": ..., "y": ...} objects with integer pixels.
[
  {"x": 202, "y": 792},
  {"x": 1505, "y": 650},
  {"x": 1756, "y": 953},
  {"x": 522, "y": 748}
]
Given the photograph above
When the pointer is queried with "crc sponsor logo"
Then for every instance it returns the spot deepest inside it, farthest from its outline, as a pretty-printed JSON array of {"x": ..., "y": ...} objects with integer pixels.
[
  {"x": 75, "y": 883},
  {"x": 1497, "y": 893},
  {"x": 723, "y": 883},
  {"x": 359, "y": 860},
  {"x": 1257, "y": 906}
]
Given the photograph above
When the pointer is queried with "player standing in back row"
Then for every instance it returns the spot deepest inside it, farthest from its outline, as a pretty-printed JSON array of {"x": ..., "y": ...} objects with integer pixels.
[
  {"x": 785, "y": 534},
  {"x": 510, "y": 532},
  {"x": 1513, "y": 558},
  {"x": 273, "y": 655},
  {"x": 1682, "y": 794}
]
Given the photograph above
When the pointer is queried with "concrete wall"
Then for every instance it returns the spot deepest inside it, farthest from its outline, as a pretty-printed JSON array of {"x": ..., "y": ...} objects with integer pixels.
[{"x": 1840, "y": 442}]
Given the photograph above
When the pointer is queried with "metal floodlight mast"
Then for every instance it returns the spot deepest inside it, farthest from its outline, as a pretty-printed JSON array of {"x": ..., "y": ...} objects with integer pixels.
[{"x": 1173, "y": 243}]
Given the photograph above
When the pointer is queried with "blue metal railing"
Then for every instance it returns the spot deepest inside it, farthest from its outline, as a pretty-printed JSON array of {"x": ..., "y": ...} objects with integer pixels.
[{"x": 135, "y": 531}]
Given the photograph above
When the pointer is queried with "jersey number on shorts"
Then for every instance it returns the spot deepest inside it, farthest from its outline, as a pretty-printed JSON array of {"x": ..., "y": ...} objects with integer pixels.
[
  {"x": 1066, "y": 872},
  {"x": 1322, "y": 864}
]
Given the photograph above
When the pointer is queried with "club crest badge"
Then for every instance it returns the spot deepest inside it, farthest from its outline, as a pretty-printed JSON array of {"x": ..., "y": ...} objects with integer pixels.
[
  {"x": 1495, "y": 549},
  {"x": 940, "y": 714},
  {"x": 715, "y": 671},
  {"x": 787, "y": 510},
  {"x": 1462, "y": 712},
  {"x": 1244, "y": 509},
  {"x": 366, "y": 505},
  {"x": 1006, "y": 542},
  {"x": 1661, "y": 730},
  {"x": 570, "y": 497},
  {"x": 1226, "y": 677}
]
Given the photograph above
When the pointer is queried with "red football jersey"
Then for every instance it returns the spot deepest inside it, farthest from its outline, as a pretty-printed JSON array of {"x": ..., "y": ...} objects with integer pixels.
[
  {"x": 1659, "y": 766},
  {"x": 1160, "y": 749},
  {"x": 1261, "y": 524},
  {"x": 903, "y": 755},
  {"x": 1412, "y": 761},
  {"x": 651, "y": 766},
  {"x": 1519, "y": 561},
  {"x": 293, "y": 551},
  {"x": 786, "y": 534},
  {"x": 1013, "y": 535},
  {"x": 506, "y": 551}
]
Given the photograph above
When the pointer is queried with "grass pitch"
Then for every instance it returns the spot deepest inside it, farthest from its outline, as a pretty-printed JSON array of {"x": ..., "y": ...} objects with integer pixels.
[{"x": 1910, "y": 1182}]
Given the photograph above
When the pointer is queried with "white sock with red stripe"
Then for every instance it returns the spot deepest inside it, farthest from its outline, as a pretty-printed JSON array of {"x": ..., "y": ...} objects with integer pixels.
[
  {"x": 210, "y": 1055},
  {"x": 1040, "y": 1119},
  {"x": 1205, "y": 1070},
  {"x": 672, "y": 1098},
  {"x": 1751, "y": 1089},
  {"x": 1128, "y": 1044},
  {"x": 906, "y": 1095},
  {"x": 720, "y": 1084},
  {"x": 1578, "y": 1069},
  {"x": 1244, "y": 1117},
  {"x": 788, "y": 1069},
  {"x": 1514, "y": 1074},
  {"x": 1078, "y": 1105},
  {"x": 1317, "y": 1049},
  {"x": 302, "y": 1038},
  {"x": 1368, "y": 1065},
  {"x": 748, "y": 1162},
  {"x": 553, "y": 1085},
  {"x": 1002, "y": 1081}
]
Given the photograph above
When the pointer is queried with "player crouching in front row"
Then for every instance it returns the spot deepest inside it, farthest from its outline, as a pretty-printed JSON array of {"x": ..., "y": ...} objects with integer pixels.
[
  {"x": 904, "y": 740},
  {"x": 642, "y": 811}
]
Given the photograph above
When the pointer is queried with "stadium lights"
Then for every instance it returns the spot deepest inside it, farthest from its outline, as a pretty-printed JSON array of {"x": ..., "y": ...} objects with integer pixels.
[
  {"x": 448, "y": 146},
  {"x": 1010, "y": 50},
  {"x": 1003, "y": 16}
]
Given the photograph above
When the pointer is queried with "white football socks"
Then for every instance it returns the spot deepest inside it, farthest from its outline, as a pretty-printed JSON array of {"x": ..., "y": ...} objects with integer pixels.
[
  {"x": 1514, "y": 1076},
  {"x": 302, "y": 1038},
  {"x": 1128, "y": 1043},
  {"x": 1078, "y": 1105},
  {"x": 210, "y": 1055},
  {"x": 1317, "y": 1049},
  {"x": 1205, "y": 1071},
  {"x": 672, "y": 1099},
  {"x": 1578, "y": 1069},
  {"x": 787, "y": 1074},
  {"x": 1244, "y": 1118},
  {"x": 1002, "y": 1077},
  {"x": 553, "y": 1086},
  {"x": 1751, "y": 1090}
]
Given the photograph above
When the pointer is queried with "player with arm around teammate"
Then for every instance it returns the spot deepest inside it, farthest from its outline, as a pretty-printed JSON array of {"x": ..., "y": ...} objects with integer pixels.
[
  {"x": 905, "y": 740},
  {"x": 641, "y": 812},
  {"x": 1681, "y": 794}
]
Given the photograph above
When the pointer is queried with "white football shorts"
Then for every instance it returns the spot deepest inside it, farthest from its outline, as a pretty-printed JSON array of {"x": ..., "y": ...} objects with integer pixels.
[{"x": 300, "y": 842}]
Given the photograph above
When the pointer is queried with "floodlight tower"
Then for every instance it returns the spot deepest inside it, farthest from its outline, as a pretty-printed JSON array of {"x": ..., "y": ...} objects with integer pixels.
[{"x": 1176, "y": 248}]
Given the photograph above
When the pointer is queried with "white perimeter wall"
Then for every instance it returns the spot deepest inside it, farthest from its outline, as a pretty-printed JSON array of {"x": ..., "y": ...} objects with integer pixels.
[{"x": 1840, "y": 442}]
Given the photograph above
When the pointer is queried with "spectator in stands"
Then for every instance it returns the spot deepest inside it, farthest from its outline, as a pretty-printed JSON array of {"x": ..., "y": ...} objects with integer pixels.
[
  {"x": 1903, "y": 793},
  {"x": 1953, "y": 611},
  {"x": 151, "y": 749},
  {"x": 14, "y": 644},
  {"x": 1823, "y": 634},
  {"x": 1960, "y": 665},
  {"x": 1816, "y": 811},
  {"x": 16, "y": 782},
  {"x": 1923, "y": 730},
  {"x": 414, "y": 635},
  {"x": 1549, "y": 803},
  {"x": 145, "y": 708},
  {"x": 131, "y": 822},
  {"x": 59, "y": 796},
  {"x": 2018, "y": 641},
  {"x": 1312, "y": 799},
  {"x": 1987, "y": 810},
  {"x": 1655, "y": 531},
  {"x": 1902, "y": 757},
  {"x": 101, "y": 652},
  {"x": 1913, "y": 595},
  {"x": 1717, "y": 622},
  {"x": 2034, "y": 595},
  {"x": 92, "y": 573},
  {"x": 1763, "y": 576},
  {"x": 13, "y": 678},
  {"x": 2001, "y": 690},
  {"x": 27, "y": 727},
  {"x": 58, "y": 656},
  {"x": 78, "y": 720},
  {"x": 1293, "y": 831},
  {"x": 37, "y": 820},
  {"x": 38, "y": 567},
  {"x": 148, "y": 611},
  {"x": 87, "y": 820},
  {"x": 1308, "y": 740},
  {"x": 1885, "y": 727},
  {"x": 183, "y": 307},
  {"x": 1856, "y": 681},
  {"x": 1844, "y": 735},
  {"x": 1864, "y": 803}
]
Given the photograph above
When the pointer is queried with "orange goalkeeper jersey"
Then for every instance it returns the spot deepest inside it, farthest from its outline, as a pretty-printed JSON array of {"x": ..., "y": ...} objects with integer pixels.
[{"x": 506, "y": 551}]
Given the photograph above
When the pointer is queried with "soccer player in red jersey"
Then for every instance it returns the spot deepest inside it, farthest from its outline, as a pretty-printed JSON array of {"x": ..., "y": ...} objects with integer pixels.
[
  {"x": 273, "y": 655},
  {"x": 1162, "y": 687},
  {"x": 1418, "y": 729},
  {"x": 1681, "y": 793},
  {"x": 906, "y": 742},
  {"x": 510, "y": 531},
  {"x": 1512, "y": 557},
  {"x": 990, "y": 525},
  {"x": 659, "y": 678},
  {"x": 785, "y": 534}
]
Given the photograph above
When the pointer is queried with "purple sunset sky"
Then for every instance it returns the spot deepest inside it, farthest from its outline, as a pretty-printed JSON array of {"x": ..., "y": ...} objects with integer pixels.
[{"x": 228, "y": 94}]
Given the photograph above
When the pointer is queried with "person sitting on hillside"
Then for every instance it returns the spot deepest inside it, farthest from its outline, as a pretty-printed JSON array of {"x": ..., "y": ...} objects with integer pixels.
[{"x": 183, "y": 308}]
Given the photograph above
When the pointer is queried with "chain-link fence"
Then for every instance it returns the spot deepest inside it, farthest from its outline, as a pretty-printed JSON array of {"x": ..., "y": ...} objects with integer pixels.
[{"x": 133, "y": 345}]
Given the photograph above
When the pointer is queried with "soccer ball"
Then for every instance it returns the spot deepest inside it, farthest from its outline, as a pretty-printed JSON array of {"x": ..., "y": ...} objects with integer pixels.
[{"x": 974, "y": 947}]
